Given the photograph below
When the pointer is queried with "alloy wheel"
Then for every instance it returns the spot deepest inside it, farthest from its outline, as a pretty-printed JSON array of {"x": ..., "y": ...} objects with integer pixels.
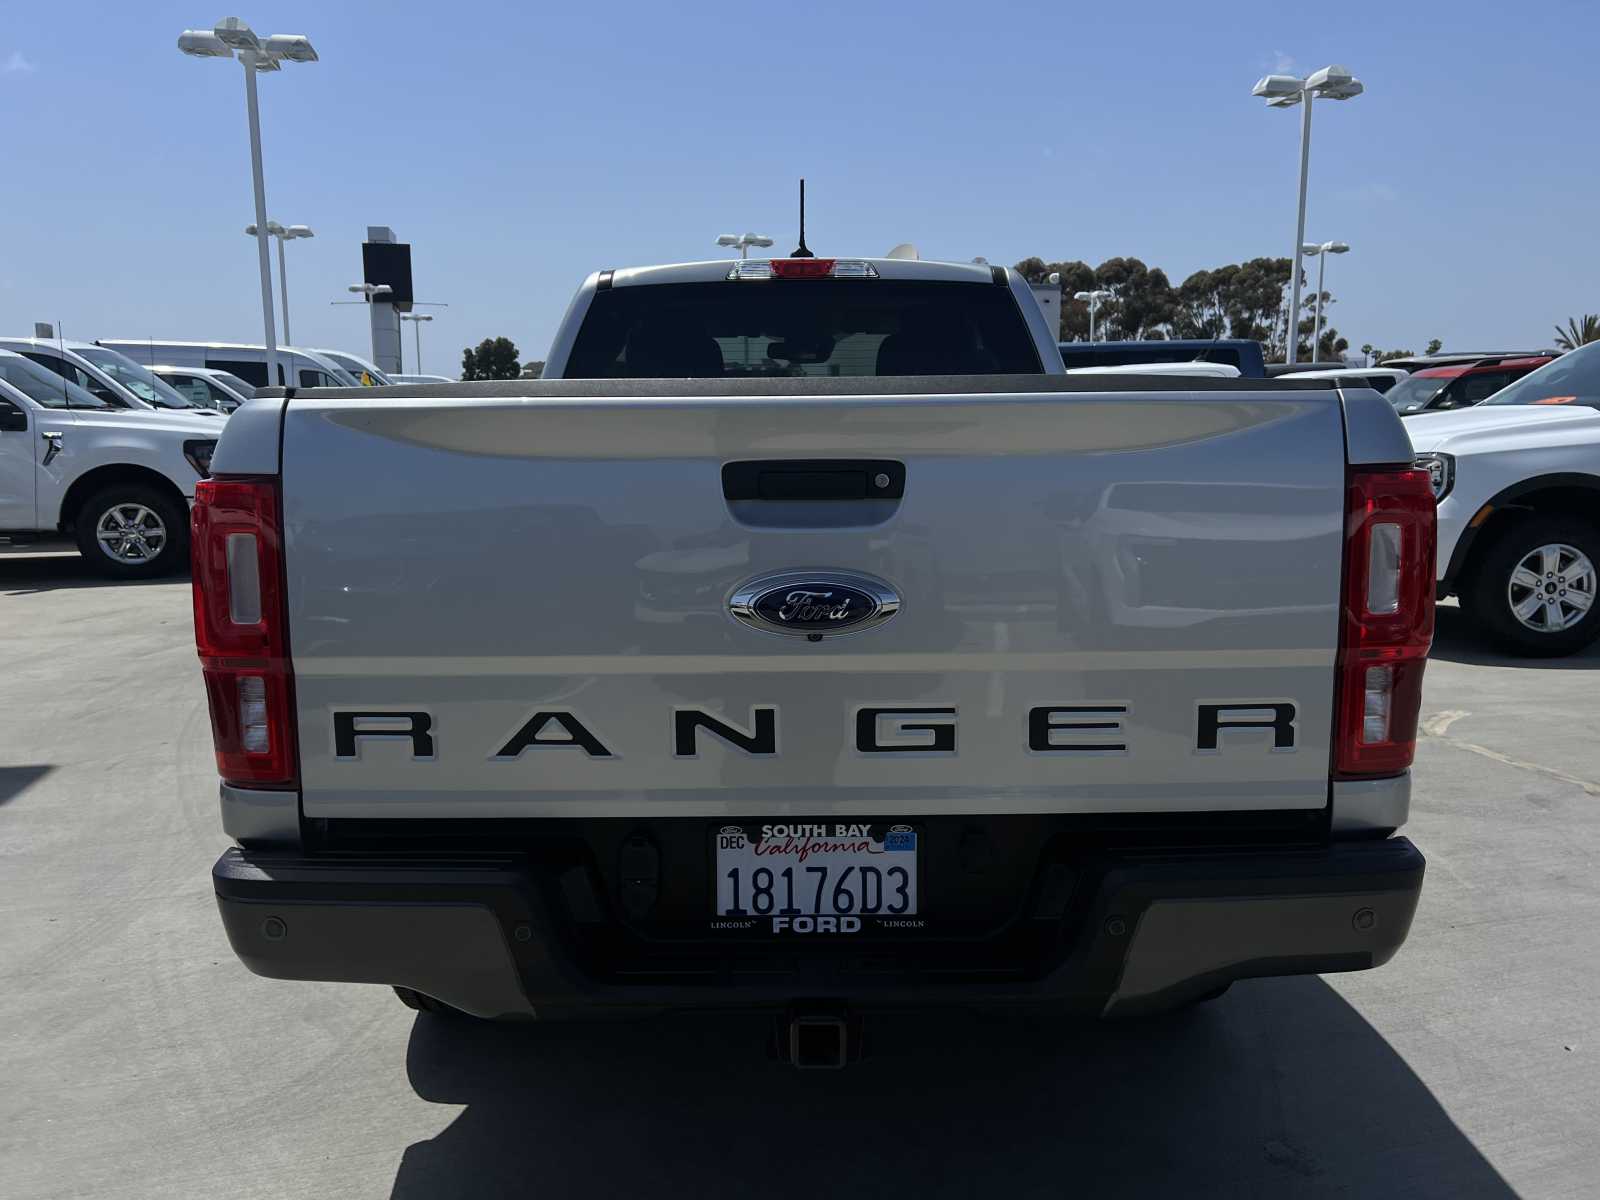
[
  {"x": 1552, "y": 588},
  {"x": 131, "y": 533}
]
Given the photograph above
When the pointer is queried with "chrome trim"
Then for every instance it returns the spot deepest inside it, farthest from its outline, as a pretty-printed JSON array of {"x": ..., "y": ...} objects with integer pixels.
[
  {"x": 1370, "y": 805},
  {"x": 260, "y": 818}
]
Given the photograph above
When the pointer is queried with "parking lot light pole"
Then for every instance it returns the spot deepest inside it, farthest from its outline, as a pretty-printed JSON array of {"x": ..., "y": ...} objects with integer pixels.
[
  {"x": 744, "y": 241},
  {"x": 1321, "y": 250},
  {"x": 369, "y": 292},
  {"x": 1093, "y": 299},
  {"x": 416, "y": 320},
  {"x": 233, "y": 37},
  {"x": 1285, "y": 91},
  {"x": 283, "y": 235}
]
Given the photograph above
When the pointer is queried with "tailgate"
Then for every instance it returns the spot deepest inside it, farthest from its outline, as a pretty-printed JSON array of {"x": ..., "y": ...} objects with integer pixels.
[{"x": 1107, "y": 602}]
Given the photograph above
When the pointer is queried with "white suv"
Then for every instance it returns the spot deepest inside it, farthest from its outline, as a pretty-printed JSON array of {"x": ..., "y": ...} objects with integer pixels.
[
  {"x": 120, "y": 480},
  {"x": 1518, "y": 483}
]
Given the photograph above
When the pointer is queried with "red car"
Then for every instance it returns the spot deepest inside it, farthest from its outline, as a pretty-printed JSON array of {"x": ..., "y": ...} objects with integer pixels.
[{"x": 1461, "y": 385}]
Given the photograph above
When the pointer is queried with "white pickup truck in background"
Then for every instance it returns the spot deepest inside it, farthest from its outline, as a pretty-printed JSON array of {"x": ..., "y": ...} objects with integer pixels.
[
  {"x": 805, "y": 640},
  {"x": 118, "y": 479},
  {"x": 1518, "y": 483}
]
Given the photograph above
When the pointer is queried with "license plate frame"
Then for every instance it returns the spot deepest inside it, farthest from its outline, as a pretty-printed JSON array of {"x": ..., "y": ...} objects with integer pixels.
[{"x": 826, "y": 876}]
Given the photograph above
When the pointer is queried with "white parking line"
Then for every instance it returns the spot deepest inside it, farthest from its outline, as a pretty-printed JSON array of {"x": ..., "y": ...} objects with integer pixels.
[{"x": 1436, "y": 725}]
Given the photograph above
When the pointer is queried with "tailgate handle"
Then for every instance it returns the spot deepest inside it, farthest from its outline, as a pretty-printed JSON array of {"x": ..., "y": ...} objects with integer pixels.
[{"x": 814, "y": 479}]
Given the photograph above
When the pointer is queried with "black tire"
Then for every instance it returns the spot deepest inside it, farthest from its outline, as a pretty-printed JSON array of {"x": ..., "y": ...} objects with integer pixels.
[
  {"x": 427, "y": 1004},
  {"x": 148, "y": 508},
  {"x": 1488, "y": 595}
]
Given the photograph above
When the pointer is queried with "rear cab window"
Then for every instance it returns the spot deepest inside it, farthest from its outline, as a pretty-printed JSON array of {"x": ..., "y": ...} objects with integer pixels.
[{"x": 815, "y": 327}]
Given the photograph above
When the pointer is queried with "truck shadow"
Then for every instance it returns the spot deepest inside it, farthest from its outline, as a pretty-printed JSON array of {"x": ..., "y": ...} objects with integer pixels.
[
  {"x": 1280, "y": 1088},
  {"x": 23, "y": 574},
  {"x": 16, "y": 780},
  {"x": 1455, "y": 640}
]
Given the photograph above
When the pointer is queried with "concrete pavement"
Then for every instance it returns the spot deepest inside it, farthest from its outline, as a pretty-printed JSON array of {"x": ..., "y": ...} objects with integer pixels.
[{"x": 139, "y": 1059}]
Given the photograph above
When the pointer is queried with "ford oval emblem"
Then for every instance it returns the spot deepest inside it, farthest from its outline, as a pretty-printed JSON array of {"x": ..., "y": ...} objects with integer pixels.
[{"x": 814, "y": 604}]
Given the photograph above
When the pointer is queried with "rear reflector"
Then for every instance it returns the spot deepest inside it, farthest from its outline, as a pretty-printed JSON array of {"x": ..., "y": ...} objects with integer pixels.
[
  {"x": 1387, "y": 623},
  {"x": 254, "y": 735},
  {"x": 803, "y": 268},
  {"x": 241, "y": 630}
]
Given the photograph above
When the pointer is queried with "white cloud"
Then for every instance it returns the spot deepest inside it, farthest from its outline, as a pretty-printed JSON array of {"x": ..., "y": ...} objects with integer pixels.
[{"x": 16, "y": 64}]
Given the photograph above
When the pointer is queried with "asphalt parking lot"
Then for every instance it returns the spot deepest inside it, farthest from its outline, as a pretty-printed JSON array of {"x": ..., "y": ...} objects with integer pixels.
[{"x": 140, "y": 1059}]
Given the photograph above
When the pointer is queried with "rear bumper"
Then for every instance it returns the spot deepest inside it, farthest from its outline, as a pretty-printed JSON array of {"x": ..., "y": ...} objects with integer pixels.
[{"x": 1155, "y": 929}]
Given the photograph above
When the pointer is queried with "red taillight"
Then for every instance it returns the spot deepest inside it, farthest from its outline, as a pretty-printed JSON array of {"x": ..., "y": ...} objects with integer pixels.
[
  {"x": 802, "y": 268},
  {"x": 1387, "y": 620},
  {"x": 241, "y": 630}
]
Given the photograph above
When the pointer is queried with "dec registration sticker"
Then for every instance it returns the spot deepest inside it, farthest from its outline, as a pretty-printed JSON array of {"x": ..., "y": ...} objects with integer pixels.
[{"x": 822, "y": 877}]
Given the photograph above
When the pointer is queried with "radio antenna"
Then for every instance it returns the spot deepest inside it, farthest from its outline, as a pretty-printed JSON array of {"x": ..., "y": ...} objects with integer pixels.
[{"x": 800, "y": 251}]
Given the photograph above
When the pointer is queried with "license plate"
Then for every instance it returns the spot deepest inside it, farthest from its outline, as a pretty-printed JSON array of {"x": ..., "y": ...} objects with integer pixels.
[{"x": 816, "y": 870}]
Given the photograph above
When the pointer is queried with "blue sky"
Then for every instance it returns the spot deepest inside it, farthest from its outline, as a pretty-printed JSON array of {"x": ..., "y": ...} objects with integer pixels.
[{"x": 517, "y": 147}]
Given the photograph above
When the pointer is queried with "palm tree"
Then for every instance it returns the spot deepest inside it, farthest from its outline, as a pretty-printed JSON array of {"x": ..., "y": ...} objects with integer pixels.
[{"x": 1579, "y": 332}]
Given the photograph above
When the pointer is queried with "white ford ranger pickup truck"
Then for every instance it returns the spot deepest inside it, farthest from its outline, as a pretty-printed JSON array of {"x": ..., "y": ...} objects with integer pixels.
[{"x": 806, "y": 641}]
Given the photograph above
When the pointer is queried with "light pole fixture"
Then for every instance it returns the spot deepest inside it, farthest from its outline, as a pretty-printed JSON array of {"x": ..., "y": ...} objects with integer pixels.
[
  {"x": 744, "y": 241},
  {"x": 1093, "y": 299},
  {"x": 1321, "y": 251},
  {"x": 232, "y": 37},
  {"x": 369, "y": 290},
  {"x": 1285, "y": 91},
  {"x": 283, "y": 235},
  {"x": 417, "y": 319}
]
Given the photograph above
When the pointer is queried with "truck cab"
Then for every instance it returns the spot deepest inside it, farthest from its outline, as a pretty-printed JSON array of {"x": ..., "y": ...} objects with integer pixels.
[{"x": 854, "y": 318}]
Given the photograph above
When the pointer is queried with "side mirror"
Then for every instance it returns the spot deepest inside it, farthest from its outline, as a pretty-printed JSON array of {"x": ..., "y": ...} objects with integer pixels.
[{"x": 12, "y": 418}]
